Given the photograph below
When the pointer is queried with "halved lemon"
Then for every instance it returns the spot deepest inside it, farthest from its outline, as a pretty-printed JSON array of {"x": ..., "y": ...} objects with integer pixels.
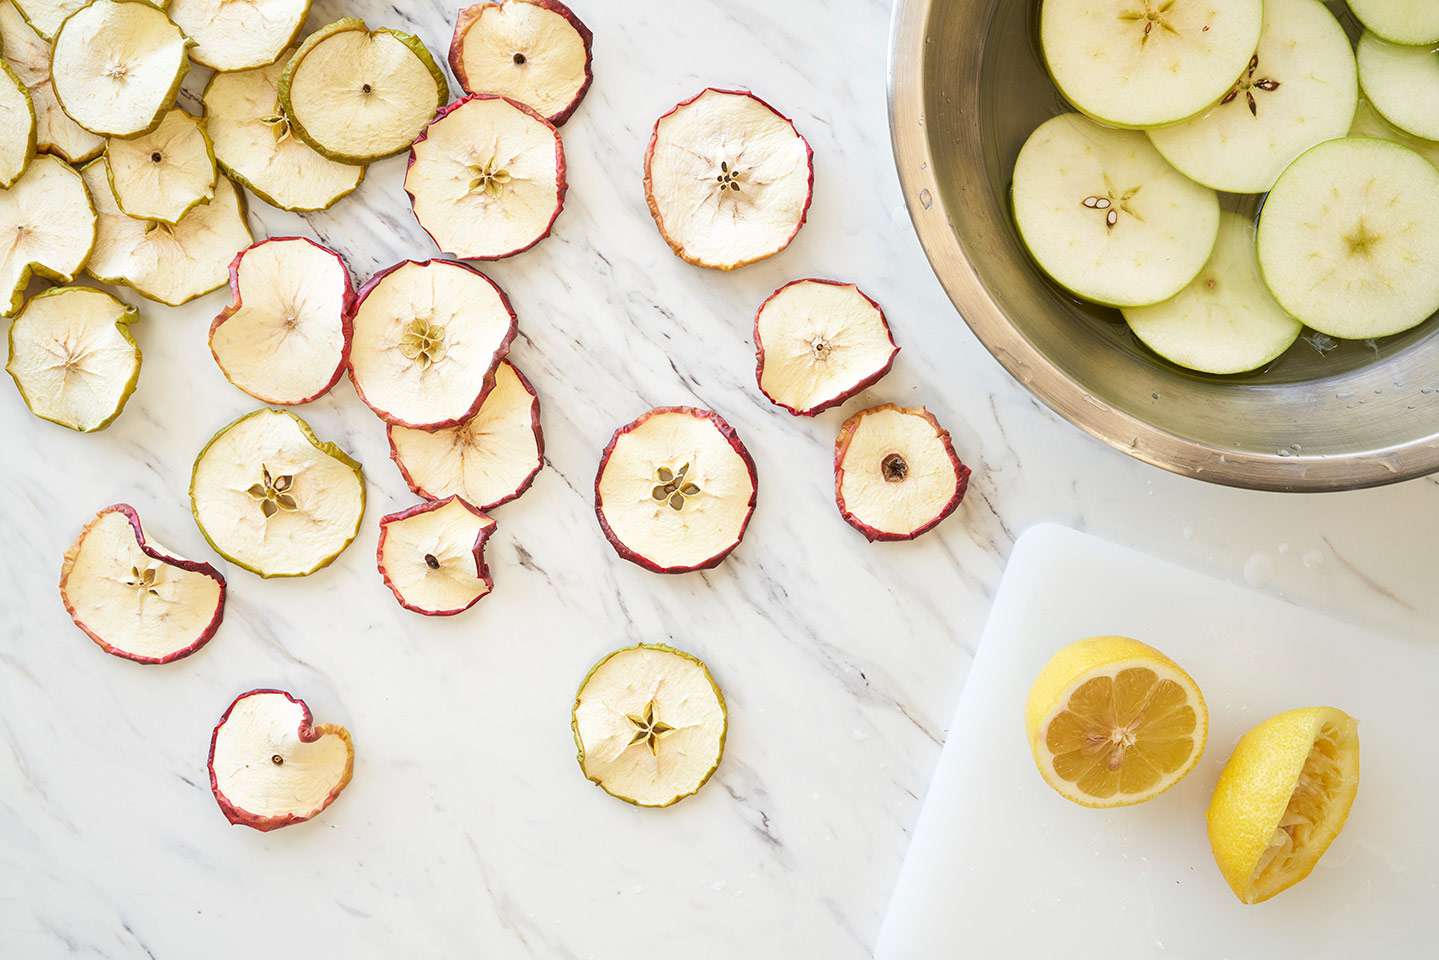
[
  {"x": 1113, "y": 722},
  {"x": 1282, "y": 799}
]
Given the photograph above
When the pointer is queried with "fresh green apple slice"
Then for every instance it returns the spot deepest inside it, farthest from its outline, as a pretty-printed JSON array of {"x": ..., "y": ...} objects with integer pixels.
[
  {"x": 357, "y": 95},
  {"x": 172, "y": 264},
  {"x": 239, "y": 34},
  {"x": 1226, "y": 321},
  {"x": 1299, "y": 89},
  {"x": 1144, "y": 63},
  {"x": 534, "y": 51},
  {"x": 28, "y": 54},
  {"x": 17, "y": 127},
  {"x": 1106, "y": 217},
  {"x": 432, "y": 557},
  {"x": 254, "y": 144},
  {"x": 1369, "y": 123},
  {"x": 269, "y": 496},
  {"x": 163, "y": 174},
  {"x": 116, "y": 66},
  {"x": 72, "y": 357},
  {"x": 1402, "y": 83},
  {"x": 47, "y": 227},
  {"x": 1414, "y": 22},
  {"x": 1349, "y": 238}
]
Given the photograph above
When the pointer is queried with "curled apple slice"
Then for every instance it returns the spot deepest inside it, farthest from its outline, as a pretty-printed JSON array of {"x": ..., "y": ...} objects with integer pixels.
[
  {"x": 17, "y": 127},
  {"x": 135, "y": 598},
  {"x": 675, "y": 490},
  {"x": 47, "y": 226},
  {"x": 432, "y": 557},
  {"x": 533, "y": 51},
  {"x": 163, "y": 174},
  {"x": 72, "y": 357},
  {"x": 819, "y": 342},
  {"x": 28, "y": 55},
  {"x": 427, "y": 338},
  {"x": 239, "y": 36},
  {"x": 649, "y": 724},
  {"x": 357, "y": 95},
  {"x": 487, "y": 178},
  {"x": 255, "y": 146},
  {"x": 168, "y": 263},
  {"x": 285, "y": 336},
  {"x": 272, "y": 766},
  {"x": 269, "y": 496},
  {"x": 116, "y": 66},
  {"x": 728, "y": 179},
  {"x": 896, "y": 474}
]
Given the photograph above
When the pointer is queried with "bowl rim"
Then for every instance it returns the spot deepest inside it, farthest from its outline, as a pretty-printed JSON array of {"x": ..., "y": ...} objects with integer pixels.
[{"x": 1140, "y": 439}]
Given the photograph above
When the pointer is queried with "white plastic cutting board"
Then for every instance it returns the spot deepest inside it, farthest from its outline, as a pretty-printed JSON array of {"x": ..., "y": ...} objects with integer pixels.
[{"x": 1002, "y": 867}]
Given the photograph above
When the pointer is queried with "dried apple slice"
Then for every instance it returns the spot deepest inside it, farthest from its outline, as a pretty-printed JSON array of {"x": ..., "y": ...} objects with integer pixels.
[
  {"x": 649, "y": 724},
  {"x": 896, "y": 474},
  {"x": 427, "y": 338},
  {"x": 254, "y": 144},
  {"x": 72, "y": 357},
  {"x": 163, "y": 174},
  {"x": 230, "y": 35},
  {"x": 533, "y": 51},
  {"x": 272, "y": 766},
  {"x": 432, "y": 557},
  {"x": 135, "y": 598},
  {"x": 269, "y": 496},
  {"x": 47, "y": 226},
  {"x": 172, "y": 264},
  {"x": 45, "y": 16},
  {"x": 487, "y": 178},
  {"x": 819, "y": 342},
  {"x": 17, "y": 127},
  {"x": 675, "y": 490},
  {"x": 358, "y": 95},
  {"x": 728, "y": 179},
  {"x": 490, "y": 459},
  {"x": 28, "y": 54},
  {"x": 285, "y": 336},
  {"x": 116, "y": 66}
]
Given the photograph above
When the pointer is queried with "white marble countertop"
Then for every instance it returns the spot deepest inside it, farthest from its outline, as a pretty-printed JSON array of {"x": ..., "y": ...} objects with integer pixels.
[{"x": 468, "y": 829}]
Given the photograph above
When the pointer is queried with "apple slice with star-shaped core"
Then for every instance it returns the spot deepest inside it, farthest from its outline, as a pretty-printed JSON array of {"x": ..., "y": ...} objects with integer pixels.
[
  {"x": 533, "y": 51},
  {"x": 675, "y": 490},
  {"x": 163, "y": 174},
  {"x": 272, "y": 766},
  {"x": 271, "y": 497},
  {"x": 116, "y": 66},
  {"x": 135, "y": 598},
  {"x": 239, "y": 34},
  {"x": 28, "y": 55},
  {"x": 819, "y": 342},
  {"x": 17, "y": 126},
  {"x": 896, "y": 474},
  {"x": 427, "y": 339},
  {"x": 488, "y": 460},
  {"x": 285, "y": 337},
  {"x": 47, "y": 227},
  {"x": 649, "y": 724},
  {"x": 728, "y": 179},
  {"x": 432, "y": 556}
]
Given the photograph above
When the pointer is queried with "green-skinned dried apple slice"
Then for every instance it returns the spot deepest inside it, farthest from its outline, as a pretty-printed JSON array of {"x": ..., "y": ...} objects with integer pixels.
[
  {"x": 255, "y": 145},
  {"x": 135, "y": 598},
  {"x": 432, "y": 557},
  {"x": 17, "y": 127},
  {"x": 47, "y": 227},
  {"x": 533, "y": 51},
  {"x": 239, "y": 34},
  {"x": 72, "y": 356},
  {"x": 271, "y": 497},
  {"x": 171, "y": 264},
  {"x": 46, "y": 16},
  {"x": 358, "y": 95},
  {"x": 116, "y": 66},
  {"x": 649, "y": 724},
  {"x": 28, "y": 54},
  {"x": 162, "y": 174}
]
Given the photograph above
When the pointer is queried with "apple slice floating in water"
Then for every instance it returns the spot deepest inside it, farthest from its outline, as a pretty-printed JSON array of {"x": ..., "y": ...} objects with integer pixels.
[
  {"x": 1402, "y": 83},
  {"x": 1414, "y": 22}
]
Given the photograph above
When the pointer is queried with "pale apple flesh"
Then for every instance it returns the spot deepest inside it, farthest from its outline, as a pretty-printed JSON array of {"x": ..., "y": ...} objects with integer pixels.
[
  {"x": 28, "y": 55},
  {"x": 47, "y": 226},
  {"x": 896, "y": 474},
  {"x": 533, "y": 51},
  {"x": 239, "y": 36},
  {"x": 116, "y": 65},
  {"x": 17, "y": 127},
  {"x": 165, "y": 173},
  {"x": 432, "y": 557}
]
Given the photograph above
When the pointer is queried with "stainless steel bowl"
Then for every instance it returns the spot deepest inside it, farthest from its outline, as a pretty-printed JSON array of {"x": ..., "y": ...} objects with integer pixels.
[{"x": 966, "y": 86}]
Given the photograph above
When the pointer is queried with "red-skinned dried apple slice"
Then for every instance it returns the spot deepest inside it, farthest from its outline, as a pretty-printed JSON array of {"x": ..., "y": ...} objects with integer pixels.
[
  {"x": 427, "y": 338},
  {"x": 896, "y": 474},
  {"x": 432, "y": 557},
  {"x": 272, "y": 766},
  {"x": 533, "y": 51},
  {"x": 675, "y": 490},
  {"x": 728, "y": 179},
  {"x": 487, "y": 178},
  {"x": 285, "y": 337},
  {"x": 135, "y": 598},
  {"x": 819, "y": 342}
]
